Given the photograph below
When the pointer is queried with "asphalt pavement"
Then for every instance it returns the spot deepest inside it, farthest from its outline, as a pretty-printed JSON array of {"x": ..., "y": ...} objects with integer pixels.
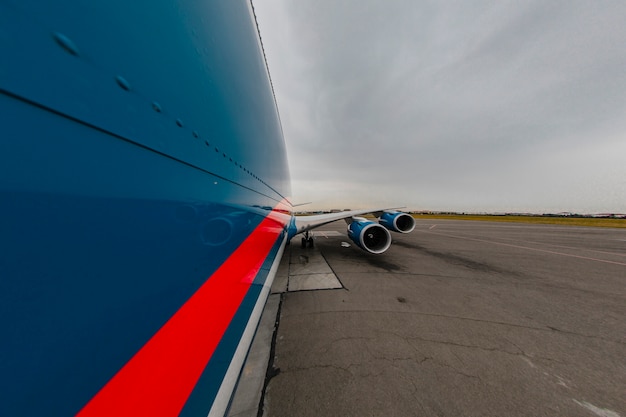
[{"x": 458, "y": 318}]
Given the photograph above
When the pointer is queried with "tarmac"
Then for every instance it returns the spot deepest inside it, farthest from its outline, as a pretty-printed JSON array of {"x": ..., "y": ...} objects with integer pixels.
[{"x": 458, "y": 318}]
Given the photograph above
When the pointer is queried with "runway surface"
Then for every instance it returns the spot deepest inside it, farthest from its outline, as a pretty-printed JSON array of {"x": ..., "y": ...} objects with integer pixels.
[{"x": 459, "y": 318}]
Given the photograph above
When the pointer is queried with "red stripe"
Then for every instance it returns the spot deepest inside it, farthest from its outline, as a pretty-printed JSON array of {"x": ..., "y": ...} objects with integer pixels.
[{"x": 160, "y": 377}]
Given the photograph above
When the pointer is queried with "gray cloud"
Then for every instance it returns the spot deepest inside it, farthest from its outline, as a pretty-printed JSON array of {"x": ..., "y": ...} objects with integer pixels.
[{"x": 473, "y": 106}]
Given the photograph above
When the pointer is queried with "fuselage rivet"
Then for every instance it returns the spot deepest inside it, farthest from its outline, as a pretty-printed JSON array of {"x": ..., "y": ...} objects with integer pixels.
[
  {"x": 121, "y": 81},
  {"x": 66, "y": 43},
  {"x": 179, "y": 123},
  {"x": 156, "y": 107}
]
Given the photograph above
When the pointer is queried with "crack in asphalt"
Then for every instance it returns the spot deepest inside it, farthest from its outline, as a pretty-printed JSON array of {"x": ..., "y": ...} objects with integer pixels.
[
  {"x": 341, "y": 339},
  {"x": 395, "y": 362},
  {"x": 546, "y": 328},
  {"x": 488, "y": 349},
  {"x": 557, "y": 330},
  {"x": 456, "y": 371}
]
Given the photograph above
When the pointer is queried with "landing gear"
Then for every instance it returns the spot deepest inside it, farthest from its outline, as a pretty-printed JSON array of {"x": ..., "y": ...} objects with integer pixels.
[{"x": 307, "y": 240}]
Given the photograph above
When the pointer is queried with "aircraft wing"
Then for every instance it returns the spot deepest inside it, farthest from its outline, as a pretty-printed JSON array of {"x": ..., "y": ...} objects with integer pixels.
[
  {"x": 304, "y": 223},
  {"x": 371, "y": 236}
]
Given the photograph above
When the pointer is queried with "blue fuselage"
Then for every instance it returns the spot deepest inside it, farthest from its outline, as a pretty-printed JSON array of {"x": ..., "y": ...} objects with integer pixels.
[{"x": 140, "y": 147}]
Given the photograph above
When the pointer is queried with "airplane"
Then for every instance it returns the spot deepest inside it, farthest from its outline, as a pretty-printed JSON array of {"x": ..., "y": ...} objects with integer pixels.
[{"x": 144, "y": 205}]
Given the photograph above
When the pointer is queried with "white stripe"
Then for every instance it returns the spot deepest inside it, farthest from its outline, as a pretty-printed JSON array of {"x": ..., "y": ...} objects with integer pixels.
[{"x": 234, "y": 369}]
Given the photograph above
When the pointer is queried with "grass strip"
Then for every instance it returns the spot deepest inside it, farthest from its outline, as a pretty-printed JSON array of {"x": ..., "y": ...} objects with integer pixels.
[{"x": 568, "y": 221}]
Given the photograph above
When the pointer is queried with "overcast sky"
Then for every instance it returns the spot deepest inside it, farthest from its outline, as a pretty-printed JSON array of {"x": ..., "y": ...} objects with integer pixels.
[{"x": 451, "y": 105}]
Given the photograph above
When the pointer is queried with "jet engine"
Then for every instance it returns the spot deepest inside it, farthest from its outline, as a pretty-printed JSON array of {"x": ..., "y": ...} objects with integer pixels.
[
  {"x": 369, "y": 236},
  {"x": 397, "y": 221}
]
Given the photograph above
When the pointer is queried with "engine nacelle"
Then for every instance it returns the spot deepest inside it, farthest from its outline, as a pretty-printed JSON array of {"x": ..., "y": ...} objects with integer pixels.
[
  {"x": 369, "y": 236},
  {"x": 397, "y": 221}
]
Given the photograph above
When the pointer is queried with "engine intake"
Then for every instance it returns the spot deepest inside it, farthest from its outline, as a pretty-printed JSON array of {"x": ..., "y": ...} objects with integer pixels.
[
  {"x": 397, "y": 221},
  {"x": 369, "y": 236}
]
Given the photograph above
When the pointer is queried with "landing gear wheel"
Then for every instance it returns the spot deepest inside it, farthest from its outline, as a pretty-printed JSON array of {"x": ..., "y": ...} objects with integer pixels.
[{"x": 307, "y": 240}]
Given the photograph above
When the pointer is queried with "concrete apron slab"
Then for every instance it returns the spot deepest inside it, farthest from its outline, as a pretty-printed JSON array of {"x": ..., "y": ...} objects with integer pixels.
[
  {"x": 301, "y": 269},
  {"x": 304, "y": 269},
  {"x": 308, "y": 270}
]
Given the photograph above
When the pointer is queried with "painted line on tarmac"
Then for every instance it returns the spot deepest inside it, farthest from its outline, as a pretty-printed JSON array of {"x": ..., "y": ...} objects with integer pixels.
[
  {"x": 529, "y": 248},
  {"x": 567, "y": 247}
]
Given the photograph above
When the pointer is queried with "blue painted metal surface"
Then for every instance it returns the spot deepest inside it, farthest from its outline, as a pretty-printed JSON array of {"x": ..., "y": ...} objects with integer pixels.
[
  {"x": 397, "y": 221},
  {"x": 369, "y": 235},
  {"x": 140, "y": 146}
]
